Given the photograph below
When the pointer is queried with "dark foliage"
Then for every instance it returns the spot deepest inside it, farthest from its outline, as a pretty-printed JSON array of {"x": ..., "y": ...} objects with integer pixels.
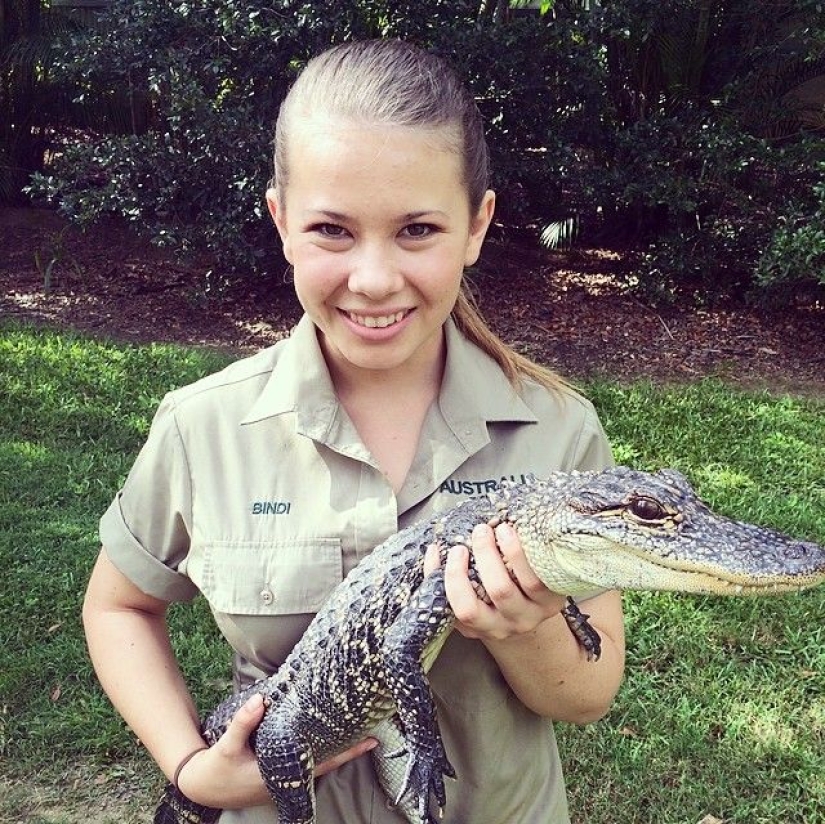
[{"x": 670, "y": 129}]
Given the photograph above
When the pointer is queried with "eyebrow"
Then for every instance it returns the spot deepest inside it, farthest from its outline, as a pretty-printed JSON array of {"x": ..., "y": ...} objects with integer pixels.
[{"x": 405, "y": 218}]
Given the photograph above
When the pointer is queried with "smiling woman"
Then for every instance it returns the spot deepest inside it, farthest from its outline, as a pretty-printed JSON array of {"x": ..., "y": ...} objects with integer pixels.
[
  {"x": 753, "y": 718},
  {"x": 383, "y": 276},
  {"x": 391, "y": 394}
]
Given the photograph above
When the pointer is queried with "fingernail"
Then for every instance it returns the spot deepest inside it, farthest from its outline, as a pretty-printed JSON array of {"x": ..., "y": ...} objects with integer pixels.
[
  {"x": 254, "y": 702},
  {"x": 456, "y": 551}
]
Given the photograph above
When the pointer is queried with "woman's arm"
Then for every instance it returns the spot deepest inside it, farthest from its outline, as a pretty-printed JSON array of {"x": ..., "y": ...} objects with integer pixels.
[
  {"x": 130, "y": 650},
  {"x": 129, "y": 647},
  {"x": 523, "y": 629}
]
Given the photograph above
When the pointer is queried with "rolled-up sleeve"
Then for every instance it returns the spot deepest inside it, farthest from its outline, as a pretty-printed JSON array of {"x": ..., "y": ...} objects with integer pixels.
[{"x": 146, "y": 529}]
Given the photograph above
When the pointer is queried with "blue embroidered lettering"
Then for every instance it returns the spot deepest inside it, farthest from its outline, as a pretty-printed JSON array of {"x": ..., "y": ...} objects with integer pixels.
[
  {"x": 516, "y": 479},
  {"x": 271, "y": 507},
  {"x": 479, "y": 487}
]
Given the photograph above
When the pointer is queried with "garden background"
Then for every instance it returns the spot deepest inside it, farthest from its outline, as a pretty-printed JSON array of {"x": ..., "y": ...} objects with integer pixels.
[{"x": 660, "y": 240}]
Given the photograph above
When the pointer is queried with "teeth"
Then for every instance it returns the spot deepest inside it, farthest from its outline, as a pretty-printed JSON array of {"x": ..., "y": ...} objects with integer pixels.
[{"x": 380, "y": 322}]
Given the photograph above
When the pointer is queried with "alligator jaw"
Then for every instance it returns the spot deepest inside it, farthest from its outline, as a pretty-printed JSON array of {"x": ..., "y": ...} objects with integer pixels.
[
  {"x": 579, "y": 564},
  {"x": 626, "y": 529}
]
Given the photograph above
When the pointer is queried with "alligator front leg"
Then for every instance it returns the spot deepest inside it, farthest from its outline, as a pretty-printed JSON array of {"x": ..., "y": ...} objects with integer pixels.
[
  {"x": 287, "y": 766},
  {"x": 589, "y": 639},
  {"x": 416, "y": 636}
]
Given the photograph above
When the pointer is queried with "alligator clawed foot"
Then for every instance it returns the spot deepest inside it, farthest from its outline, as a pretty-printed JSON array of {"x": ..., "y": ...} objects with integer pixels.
[
  {"x": 424, "y": 778},
  {"x": 589, "y": 639}
]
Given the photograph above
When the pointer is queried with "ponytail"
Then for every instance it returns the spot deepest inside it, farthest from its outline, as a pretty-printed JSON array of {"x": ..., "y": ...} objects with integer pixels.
[{"x": 516, "y": 367}]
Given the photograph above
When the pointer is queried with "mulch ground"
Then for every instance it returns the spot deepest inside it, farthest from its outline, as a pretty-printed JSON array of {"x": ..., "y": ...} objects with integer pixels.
[{"x": 567, "y": 310}]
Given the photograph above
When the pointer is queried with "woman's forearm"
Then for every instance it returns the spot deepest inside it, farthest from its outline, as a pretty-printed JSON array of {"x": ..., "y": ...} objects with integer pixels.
[
  {"x": 129, "y": 647},
  {"x": 524, "y": 630},
  {"x": 130, "y": 650},
  {"x": 549, "y": 671}
]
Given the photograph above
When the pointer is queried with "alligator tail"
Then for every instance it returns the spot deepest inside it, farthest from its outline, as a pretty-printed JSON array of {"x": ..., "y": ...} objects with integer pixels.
[{"x": 176, "y": 808}]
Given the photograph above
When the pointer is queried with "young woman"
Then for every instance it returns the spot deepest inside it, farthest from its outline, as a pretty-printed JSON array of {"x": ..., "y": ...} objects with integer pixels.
[{"x": 261, "y": 486}]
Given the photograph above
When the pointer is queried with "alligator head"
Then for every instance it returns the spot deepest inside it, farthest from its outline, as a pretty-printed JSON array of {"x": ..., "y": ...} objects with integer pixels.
[{"x": 626, "y": 529}]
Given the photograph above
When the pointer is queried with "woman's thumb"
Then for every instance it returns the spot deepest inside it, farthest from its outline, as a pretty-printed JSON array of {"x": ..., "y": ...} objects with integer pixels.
[{"x": 245, "y": 722}]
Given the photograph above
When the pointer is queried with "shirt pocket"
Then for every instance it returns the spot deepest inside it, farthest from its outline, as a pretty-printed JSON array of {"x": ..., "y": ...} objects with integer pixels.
[{"x": 282, "y": 577}]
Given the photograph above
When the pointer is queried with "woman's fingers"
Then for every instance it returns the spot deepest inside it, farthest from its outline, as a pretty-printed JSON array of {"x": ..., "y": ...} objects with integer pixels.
[
  {"x": 347, "y": 755},
  {"x": 517, "y": 600},
  {"x": 235, "y": 741}
]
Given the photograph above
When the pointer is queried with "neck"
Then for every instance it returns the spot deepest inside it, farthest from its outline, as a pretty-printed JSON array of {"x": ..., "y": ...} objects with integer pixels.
[
  {"x": 420, "y": 376},
  {"x": 388, "y": 406}
]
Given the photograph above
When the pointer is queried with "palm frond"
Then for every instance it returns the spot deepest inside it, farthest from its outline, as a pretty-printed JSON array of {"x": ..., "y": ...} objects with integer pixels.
[{"x": 560, "y": 233}]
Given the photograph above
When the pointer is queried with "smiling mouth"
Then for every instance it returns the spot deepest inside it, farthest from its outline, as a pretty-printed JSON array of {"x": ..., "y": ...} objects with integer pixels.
[{"x": 377, "y": 321}]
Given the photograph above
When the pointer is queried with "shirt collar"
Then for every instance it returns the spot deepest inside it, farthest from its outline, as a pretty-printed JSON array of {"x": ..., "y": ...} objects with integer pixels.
[
  {"x": 299, "y": 383},
  {"x": 474, "y": 390}
]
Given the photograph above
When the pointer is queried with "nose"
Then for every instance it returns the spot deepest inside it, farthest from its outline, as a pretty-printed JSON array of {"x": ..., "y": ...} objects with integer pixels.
[{"x": 374, "y": 272}]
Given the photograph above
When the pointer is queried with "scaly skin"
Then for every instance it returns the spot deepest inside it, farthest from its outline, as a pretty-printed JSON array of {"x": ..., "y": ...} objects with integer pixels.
[{"x": 364, "y": 657}]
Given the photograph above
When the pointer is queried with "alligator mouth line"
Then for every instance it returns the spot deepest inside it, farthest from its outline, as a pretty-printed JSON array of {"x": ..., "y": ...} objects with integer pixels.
[
  {"x": 614, "y": 565},
  {"x": 742, "y": 583}
]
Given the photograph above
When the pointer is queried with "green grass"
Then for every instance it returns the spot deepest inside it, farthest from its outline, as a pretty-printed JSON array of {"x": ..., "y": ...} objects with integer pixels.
[
  {"x": 723, "y": 708},
  {"x": 73, "y": 413}
]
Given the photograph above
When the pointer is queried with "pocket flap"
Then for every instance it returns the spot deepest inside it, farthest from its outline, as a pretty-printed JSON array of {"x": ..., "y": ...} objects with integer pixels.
[{"x": 271, "y": 578}]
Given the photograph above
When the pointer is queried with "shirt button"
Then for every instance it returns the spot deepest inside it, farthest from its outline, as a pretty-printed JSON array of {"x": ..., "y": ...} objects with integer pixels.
[{"x": 267, "y": 597}]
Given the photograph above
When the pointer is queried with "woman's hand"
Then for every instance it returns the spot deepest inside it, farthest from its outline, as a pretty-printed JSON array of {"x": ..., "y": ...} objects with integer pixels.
[
  {"x": 523, "y": 629},
  {"x": 227, "y": 776},
  {"x": 519, "y": 601},
  {"x": 361, "y": 748}
]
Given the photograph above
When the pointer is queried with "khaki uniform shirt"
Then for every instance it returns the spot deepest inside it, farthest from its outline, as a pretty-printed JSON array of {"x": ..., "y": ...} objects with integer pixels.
[{"x": 254, "y": 489}]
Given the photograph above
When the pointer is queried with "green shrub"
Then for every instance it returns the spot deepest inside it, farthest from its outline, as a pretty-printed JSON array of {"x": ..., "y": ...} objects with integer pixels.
[
  {"x": 41, "y": 104},
  {"x": 699, "y": 154},
  {"x": 796, "y": 252},
  {"x": 33, "y": 98},
  {"x": 662, "y": 127},
  {"x": 216, "y": 78}
]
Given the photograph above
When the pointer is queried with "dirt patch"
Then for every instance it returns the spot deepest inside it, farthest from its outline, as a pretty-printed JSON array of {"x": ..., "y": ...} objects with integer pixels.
[
  {"x": 83, "y": 794},
  {"x": 567, "y": 310}
]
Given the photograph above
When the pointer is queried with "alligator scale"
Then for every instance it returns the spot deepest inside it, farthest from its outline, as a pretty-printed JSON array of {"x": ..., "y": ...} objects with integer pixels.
[{"x": 365, "y": 655}]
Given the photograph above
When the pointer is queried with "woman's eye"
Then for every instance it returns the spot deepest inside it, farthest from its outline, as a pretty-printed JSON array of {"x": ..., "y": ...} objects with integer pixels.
[
  {"x": 331, "y": 230},
  {"x": 419, "y": 230}
]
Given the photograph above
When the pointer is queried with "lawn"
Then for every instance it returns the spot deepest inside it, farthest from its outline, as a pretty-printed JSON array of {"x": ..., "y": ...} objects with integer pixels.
[{"x": 723, "y": 710}]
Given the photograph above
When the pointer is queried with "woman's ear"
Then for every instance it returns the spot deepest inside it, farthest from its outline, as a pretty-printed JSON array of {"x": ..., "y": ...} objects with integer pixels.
[
  {"x": 479, "y": 224},
  {"x": 279, "y": 219}
]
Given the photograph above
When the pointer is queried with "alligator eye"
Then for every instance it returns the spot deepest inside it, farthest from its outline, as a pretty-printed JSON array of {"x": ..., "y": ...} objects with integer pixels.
[{"x": 647, "y": 509}]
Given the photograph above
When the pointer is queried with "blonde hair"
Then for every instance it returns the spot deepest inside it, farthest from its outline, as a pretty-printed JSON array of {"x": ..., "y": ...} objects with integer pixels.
[{"x": 393, "y": 83}]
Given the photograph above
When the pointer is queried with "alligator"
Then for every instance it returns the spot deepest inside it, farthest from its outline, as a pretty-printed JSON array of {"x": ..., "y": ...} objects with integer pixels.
[{"x": 365, "y": 656}]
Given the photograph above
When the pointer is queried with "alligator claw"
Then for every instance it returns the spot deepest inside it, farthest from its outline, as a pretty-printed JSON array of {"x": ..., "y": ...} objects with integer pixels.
[{"x": 424, "y": 777}]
